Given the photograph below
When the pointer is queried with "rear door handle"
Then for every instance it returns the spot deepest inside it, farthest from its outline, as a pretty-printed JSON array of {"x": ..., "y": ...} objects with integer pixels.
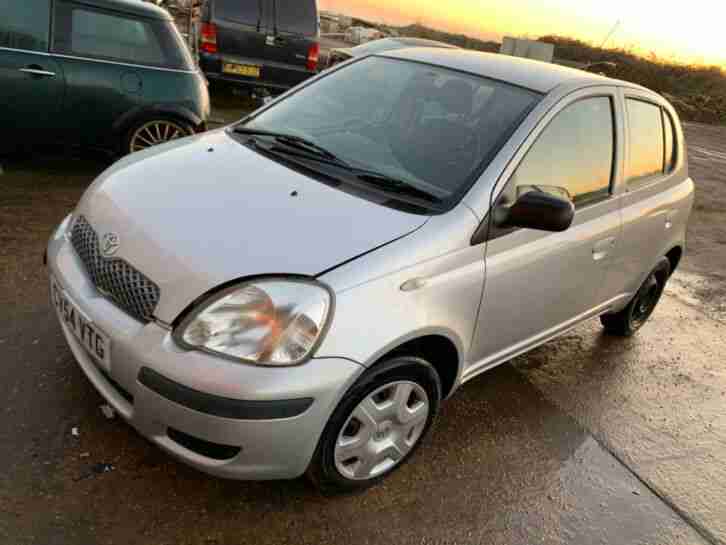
[
  {"x": 602, "y": 248},
  {"x": 37, "y": 72}
]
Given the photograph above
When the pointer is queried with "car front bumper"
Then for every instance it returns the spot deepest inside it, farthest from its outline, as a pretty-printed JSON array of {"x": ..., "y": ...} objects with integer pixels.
[{"x": 227, "y": 419}]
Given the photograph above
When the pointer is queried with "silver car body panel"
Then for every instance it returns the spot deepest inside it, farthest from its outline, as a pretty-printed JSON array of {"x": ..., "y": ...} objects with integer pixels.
[
  {"x": 450, "y": 272},
  {"x": 224, "y": 212},
  {"x": 204, "y": 211},
  {"x": 266, "y": 444}
]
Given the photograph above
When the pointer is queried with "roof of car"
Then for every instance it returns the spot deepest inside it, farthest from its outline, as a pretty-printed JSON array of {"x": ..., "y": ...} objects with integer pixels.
[
  {"x": 535, "y": 75},
  {"x": 135, "y": 7},
  {"x": 422, "y": 42}
]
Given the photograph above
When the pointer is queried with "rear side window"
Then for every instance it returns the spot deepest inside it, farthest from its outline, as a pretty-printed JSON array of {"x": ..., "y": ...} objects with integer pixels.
[
  {"x": 670, "y": 143},
  {"x": 246, "y": 12},
  {"x": 87, "y": 32},
  {"x": 574, "y": 152},
  {"x": 24, "y": 24},
  {"x": 646, "y": 150},
  {"x": 297, "y": 16}
]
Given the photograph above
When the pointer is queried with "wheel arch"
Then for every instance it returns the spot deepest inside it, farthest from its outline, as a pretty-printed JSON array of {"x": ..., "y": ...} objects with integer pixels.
[
  {"x": 435, "y": 346},
  {"x": 136, "y": 115}
]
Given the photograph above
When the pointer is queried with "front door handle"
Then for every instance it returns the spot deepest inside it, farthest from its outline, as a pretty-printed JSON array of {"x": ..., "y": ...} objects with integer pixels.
[
  {"x": 603, "y": 248},
  {"x": 37, "y": 71}
]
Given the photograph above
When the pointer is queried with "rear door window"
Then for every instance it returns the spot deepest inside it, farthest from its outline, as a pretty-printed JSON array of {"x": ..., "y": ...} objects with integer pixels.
[
  {"x": 646, "y": 148},
  {"x": 246, "y": 12},
  {"x": 297, "y": 16},
  {"x": 87, "y": 32},
  {"x": 574, "y": 152},
  {"x": 24, "y": 24}
]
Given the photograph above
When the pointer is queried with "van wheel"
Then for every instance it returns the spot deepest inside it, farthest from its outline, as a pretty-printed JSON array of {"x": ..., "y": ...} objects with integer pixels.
[
  {"x": 629, "y": 320},
  {"x": 377, "y": 426},
  {"x": 152, "y": 132}
]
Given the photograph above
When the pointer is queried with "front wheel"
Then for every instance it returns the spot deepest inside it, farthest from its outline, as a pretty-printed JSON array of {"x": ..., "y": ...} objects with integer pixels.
[
  {"x": 629, "y": 320},
  {"x": 377, "y": 426},
  {"x": 153, "y": 132}
]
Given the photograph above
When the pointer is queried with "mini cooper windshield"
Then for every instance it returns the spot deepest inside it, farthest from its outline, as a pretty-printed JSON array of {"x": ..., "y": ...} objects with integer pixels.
[{"x": 414, "y": 131}]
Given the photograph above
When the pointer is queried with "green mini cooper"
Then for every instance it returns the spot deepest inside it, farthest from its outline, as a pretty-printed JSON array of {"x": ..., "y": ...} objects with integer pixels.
[{"x": 114, "y": 74}]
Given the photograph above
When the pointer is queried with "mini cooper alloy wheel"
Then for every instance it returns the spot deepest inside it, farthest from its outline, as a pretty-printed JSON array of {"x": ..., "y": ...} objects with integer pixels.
[{"x": 156, "y": 132}]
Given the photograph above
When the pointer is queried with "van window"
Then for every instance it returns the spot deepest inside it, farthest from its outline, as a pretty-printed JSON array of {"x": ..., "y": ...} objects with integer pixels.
[
  {"x": 25, "y": 25},
  {"x": 87, "y": 32},
  {"x": 646, "y": 149},
  {"x": 246, "y": 12},
  {"x": 670, "y": 143},
  {"x": 575, "y": 152},
  {"x": 297, "y": 16}
]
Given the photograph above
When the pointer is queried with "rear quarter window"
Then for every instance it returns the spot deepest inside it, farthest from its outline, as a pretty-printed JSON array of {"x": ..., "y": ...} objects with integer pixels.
[
  {"x": 671, "y": 143},
  {"x": 297, "y": 16},
  {"x": 24, "y": 24}
]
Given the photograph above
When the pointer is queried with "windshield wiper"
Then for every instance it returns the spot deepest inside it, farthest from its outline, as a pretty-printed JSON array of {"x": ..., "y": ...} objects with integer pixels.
[
  {"x": 296, "y": 142},
  {"x": 394, "y": 185},
  {"x": 379, "y": 180}
]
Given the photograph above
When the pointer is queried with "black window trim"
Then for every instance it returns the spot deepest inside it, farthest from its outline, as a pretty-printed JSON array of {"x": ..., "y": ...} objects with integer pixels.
[
  {"x": 653, "y": 179},
  {"x": 669, "y": 169},
  {"x": 487, "y": 231}
]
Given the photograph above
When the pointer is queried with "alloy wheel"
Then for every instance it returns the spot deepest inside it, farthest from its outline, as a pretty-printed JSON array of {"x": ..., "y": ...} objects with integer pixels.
[{"x": 156, "y": 132}]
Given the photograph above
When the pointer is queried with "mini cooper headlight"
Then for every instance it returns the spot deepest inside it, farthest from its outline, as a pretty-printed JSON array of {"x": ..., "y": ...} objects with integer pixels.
[{"x": 274, "y": 321}]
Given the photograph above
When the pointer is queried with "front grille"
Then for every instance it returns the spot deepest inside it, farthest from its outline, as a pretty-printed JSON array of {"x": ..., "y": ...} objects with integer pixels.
[{"x": 113, "y": 277}]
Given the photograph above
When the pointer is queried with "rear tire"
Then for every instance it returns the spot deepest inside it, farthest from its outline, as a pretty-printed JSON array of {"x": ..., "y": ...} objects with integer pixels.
[
  {"x": 153, "y": 131},
  {"x": 377, "y": 426},
  {"x": 629, "y": 320}
]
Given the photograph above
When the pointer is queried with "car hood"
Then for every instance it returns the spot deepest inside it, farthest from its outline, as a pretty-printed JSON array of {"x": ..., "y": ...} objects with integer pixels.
[{"x": 200, "y": 212}]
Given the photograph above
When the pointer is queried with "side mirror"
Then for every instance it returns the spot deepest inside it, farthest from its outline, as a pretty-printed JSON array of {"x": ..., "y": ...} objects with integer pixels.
[{"x": 545, "y": 208}]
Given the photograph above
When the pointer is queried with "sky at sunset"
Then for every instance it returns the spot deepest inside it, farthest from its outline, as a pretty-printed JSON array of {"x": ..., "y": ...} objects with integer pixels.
[{"x": 691, "y": 31}]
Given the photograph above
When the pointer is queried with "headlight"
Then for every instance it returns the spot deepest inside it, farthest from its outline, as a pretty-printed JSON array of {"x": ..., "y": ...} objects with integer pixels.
[{"x": 273, "y": 321}]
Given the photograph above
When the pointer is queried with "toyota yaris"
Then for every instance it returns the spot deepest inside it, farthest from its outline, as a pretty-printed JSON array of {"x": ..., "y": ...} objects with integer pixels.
[{"x": 298, "y": 292}]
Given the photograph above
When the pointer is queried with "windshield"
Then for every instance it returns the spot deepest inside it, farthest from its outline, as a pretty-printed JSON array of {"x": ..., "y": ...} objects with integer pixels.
[{"x": 429, "y": 127}]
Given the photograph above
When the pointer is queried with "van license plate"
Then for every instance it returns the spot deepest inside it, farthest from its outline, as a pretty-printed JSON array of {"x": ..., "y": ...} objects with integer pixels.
[
  {"x": 241, "y": 70},
  {"x": 93, "y": 340}
]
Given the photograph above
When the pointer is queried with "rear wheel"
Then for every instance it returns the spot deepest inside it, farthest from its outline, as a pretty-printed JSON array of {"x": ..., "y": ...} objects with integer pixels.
[
  {"x": 153, "y": 132},
  {"x": 629, "y": 320},
  {"x": 377, "y": 426}
]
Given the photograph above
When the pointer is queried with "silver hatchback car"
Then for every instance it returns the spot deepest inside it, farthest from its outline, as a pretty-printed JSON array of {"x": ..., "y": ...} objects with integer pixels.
[{"x": 298, "y": 292}]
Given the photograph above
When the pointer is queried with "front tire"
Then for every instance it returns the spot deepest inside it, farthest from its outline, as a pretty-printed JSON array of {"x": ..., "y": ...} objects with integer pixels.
[
  {"x": 629, "y": 320},
  {"x": 377, "y": 426}
]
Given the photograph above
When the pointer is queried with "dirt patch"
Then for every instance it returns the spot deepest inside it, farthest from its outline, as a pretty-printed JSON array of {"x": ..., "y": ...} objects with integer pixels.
[{"x": 702, "y": 275}]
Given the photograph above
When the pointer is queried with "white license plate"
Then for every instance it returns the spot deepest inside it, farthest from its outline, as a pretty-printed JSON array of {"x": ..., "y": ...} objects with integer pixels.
[{"x": 93, "y": 340}]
